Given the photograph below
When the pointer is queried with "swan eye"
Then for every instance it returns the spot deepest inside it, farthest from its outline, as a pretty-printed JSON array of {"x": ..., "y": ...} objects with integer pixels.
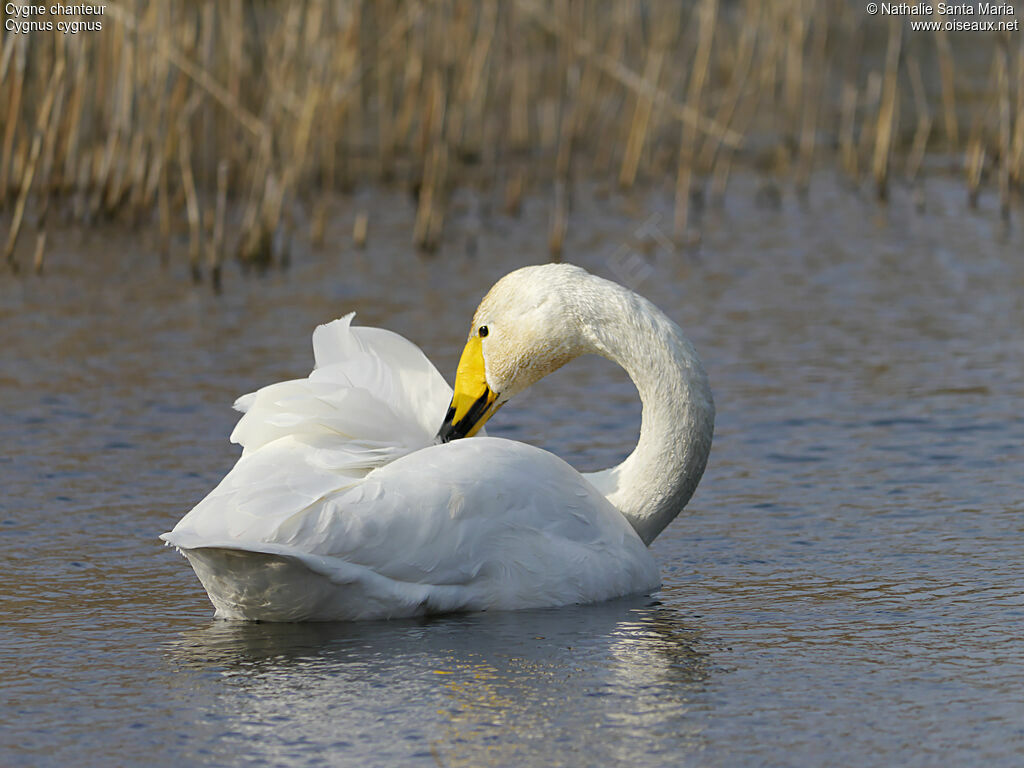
[{"x": 483, "y": 331}]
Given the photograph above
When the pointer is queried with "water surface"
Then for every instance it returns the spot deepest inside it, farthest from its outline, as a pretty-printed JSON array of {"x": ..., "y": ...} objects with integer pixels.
[{"x": 845, "y": 588}]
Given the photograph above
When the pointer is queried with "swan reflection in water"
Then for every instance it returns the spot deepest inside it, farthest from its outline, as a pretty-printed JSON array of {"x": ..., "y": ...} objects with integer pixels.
[{"x": 599, "y": 683}]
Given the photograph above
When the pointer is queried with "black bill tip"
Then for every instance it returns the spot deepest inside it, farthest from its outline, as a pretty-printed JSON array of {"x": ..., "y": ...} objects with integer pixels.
[
  {"x": 448, "y": 431},
  {"x": 455, "y": 430}
]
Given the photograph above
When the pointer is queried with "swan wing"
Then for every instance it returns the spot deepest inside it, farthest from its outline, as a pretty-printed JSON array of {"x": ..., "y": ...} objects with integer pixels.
[
  {"x": 470, "y": 525},
  {"x": 373, "y": 396}
]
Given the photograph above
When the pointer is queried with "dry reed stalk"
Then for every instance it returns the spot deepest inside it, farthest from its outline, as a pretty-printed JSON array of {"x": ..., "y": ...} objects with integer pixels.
[
  {"x": 514, "y": 189},
  {"x": 737, "y": 83},
  {"x": 722, "y": 168},
  {"x": 360, "y": 229},
  {"x": 1017, "y": 148},
  {"x": 300, "y": 147},
  {"x": 207, "y": 160},
  {"x": 49, "y": 186},
  {"x": 590, "y": 80},
  {"x": 768, "y": 63},
  {"x": 429, "y": 213},
  {"x": 256, "y": 127},
  {"x": 235, "y": 21},
  {"x": 887, "y": 110},
  {"x": 848, "y": 108},
  {"x": 350, "y": 105},
  {"x": 475, "y": 84},
  {"x": 667, "y": 34},
  {"x": 284, "y": 237},
  {"x": 272, "y": 238},
  {"x": 6, "y": 55},
  {"x": 385, "y": 110},
  {"x": 252, "y": 245},
  {"x": 946, "y": 70},
  {"x": 20, "y": 52},
  {"x": 794, "y": 19},
  {"x": 641, "y": 119},
  {"x": 38, "y": 255},
  {"x": 519, "y": 117},
  {"x": 106, "y": 177},
  {"x": 451, "y": 29},
  {"x": 19, "y": 159},
  {"x": 872, "y": 100},
  {"x": 159, "y": 144},
  {"x": 30, "y": 168},
  {"x": 977, "y": 150},
  {"x": 560, "y": 210},
  {"x": 191, "y": 201},
  {"x": 50, "y": 139},
  {"x": 164, "y": 214},
  {"x": 137, "y": 169},
  {"x": 1002, "y": 55},
  {"x": 774, "y": 80},
  {"x": 707, "y": 10},
  {"x": 70, "y": 141},
  {"x": 632, "y": 80},
  {"x": 318, "y": 223},
  {"x": 430, "y": 216},
  {"x": 81, "y": 184},
  {"x": 812, "y": 103},
  {"x": 547, "y": 125},
  {"x": 974, "y": 163},
  {"x": 216, "y": 252},
  {"x": 747, "y": 107},
  {"x": 351, "y": 70},
  {"x": 608, "y": 101},
  {"x": 411, "y": 84},
  {"x": 924, "y": 120},
  {"x": 559, "y": 224}
]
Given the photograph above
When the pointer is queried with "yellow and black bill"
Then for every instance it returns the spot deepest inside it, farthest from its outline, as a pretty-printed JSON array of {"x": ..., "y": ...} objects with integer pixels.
[{"x": 473, "y": 402}]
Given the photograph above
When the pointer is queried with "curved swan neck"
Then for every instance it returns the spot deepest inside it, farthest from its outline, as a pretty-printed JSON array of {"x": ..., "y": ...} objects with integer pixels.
[{"x": 656, "y": 481}]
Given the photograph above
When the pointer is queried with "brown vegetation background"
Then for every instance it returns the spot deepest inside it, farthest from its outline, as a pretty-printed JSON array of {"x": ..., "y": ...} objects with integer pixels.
[{"x": 230, "y": 117}]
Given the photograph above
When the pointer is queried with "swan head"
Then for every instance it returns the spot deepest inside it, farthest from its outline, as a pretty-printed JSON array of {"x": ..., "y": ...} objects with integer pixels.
[{"x": 524, "y": 329}]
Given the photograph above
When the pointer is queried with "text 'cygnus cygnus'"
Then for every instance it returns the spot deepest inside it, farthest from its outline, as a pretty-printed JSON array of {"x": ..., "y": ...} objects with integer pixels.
[{"x": 348, "y": 503}]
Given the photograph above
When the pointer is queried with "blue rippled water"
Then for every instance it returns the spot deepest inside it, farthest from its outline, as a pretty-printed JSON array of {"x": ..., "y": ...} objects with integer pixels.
[{"x": 845, "y": 588}]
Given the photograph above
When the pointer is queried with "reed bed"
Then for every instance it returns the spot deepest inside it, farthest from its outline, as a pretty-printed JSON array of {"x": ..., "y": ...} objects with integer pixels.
[{"x": 235, "y": 120}]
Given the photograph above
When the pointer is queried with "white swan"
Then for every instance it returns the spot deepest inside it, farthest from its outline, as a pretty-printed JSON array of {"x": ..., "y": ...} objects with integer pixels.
[{"x": 342, "y": 507}]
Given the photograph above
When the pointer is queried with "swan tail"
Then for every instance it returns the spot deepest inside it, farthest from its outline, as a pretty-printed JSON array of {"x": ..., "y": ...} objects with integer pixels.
[{"x": 278, "y": 584}]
